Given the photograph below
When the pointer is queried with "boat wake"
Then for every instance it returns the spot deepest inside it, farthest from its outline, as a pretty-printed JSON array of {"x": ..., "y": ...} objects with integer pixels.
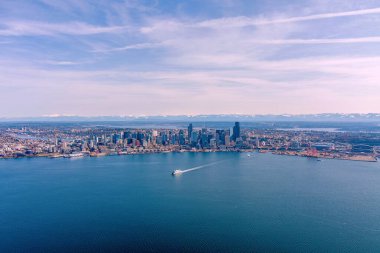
[{"x": 176, "y": 172}]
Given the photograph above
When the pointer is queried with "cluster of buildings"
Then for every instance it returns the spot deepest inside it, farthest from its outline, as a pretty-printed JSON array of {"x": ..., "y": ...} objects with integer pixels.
[{"x": 74, "y": 141}]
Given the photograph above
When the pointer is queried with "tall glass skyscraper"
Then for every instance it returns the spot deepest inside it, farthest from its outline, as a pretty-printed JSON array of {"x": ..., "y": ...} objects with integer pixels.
[
  {"x": 189, "y": 131},
  {"x": 236, "y": 131}
]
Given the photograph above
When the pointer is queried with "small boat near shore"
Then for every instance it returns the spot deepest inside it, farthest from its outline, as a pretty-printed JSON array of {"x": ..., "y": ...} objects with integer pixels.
[
  {"x": 56, "y": 156},
  {"x": 73, "y": 155}
]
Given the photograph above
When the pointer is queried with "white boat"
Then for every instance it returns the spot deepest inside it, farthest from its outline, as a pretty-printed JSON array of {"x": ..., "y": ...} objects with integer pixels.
[
  {"x": 177, "y": 172},
  {"x": 74, "y": 155},
  {"x": 56, "y": 156}
]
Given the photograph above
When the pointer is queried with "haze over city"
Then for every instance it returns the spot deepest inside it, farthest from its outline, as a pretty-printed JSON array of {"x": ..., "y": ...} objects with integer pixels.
[{"x": 94, "y": 58}]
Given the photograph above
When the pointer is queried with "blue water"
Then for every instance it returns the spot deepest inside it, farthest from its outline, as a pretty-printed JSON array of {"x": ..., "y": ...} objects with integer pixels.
[{"x": 265, "y": 203}]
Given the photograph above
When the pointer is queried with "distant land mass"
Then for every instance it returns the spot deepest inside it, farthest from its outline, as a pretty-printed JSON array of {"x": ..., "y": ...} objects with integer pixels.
[{"x": 323, "y": 117}]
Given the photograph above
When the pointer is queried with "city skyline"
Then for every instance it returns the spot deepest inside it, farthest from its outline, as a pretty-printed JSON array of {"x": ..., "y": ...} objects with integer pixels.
[
  {"x": 188, "y": 58},
  {"x": 76, "y": 140}
]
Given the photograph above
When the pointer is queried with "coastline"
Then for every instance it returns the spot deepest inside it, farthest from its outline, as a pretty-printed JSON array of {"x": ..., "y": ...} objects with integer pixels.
[{"x": 357, "y": 158}]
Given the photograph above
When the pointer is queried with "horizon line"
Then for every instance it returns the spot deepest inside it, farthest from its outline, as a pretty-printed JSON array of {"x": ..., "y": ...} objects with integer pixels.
[{"x": 52, "y": 116}]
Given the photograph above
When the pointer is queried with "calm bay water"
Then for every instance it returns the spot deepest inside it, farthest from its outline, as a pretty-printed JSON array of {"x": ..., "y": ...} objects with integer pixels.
[{"x": 264, "y": 203}]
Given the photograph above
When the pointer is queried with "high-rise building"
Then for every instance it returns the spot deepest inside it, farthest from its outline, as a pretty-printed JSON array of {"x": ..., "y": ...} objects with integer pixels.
[
  {"x": 194, "y": 138},
  {"x": 236, "y": 131},
  {"x": 182, "y": 138},
  {"x": 189, "y": 131},
  {"x": 204, "y": 139},
  {"x": 227, "y": 140},
  {"x": 115, "y": 138}
]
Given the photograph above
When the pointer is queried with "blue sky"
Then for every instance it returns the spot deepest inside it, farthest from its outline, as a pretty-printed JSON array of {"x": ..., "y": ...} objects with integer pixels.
[{"x": 126, "y": 57}]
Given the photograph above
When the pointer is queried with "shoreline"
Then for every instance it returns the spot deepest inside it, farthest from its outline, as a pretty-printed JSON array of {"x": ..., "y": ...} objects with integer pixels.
[{"x": 356, "y": 158}]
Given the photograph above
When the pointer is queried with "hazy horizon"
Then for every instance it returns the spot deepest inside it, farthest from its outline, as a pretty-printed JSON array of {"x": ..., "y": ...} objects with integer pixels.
[
  {"x": 127, "y": 57},
  {"x": 197, "y": 115},
  {"x": 324, "y": 117}
]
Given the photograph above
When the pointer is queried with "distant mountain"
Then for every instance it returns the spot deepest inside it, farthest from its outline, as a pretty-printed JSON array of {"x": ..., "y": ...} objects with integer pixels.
[{"x": 324, "y": 117}]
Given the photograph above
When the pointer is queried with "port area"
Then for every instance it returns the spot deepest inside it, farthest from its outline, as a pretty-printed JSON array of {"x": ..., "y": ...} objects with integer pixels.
[{"x": 350, "y": 157}]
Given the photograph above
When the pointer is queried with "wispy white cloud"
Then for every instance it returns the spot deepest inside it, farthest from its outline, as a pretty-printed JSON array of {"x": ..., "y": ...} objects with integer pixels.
[
  {"x": 252, "y": 64},
  {"x": 25, "y": 28},
  {"x": 247, "y": 21},
  {"x": 68, "y": 5},
  {"x": 320, "y": 41},
  {"x": 63, "y": 63},
  {"x": 137, "y": 46},
  {"x": 356, "y": 76}
]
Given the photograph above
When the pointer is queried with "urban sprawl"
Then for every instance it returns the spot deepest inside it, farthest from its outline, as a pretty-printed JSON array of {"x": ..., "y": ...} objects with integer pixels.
[{"x": 71, "y": 142}]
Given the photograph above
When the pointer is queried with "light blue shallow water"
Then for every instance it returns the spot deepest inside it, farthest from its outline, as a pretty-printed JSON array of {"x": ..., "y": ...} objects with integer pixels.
[{"x": 265, "y": 203}]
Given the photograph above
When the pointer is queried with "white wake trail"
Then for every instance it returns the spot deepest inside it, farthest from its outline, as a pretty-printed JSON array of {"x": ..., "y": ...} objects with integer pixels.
[{"x": 200, "y": 167}]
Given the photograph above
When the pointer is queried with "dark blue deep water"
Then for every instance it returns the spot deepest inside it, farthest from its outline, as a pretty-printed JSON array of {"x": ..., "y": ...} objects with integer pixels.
[{"x": 265, "y": 203}]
